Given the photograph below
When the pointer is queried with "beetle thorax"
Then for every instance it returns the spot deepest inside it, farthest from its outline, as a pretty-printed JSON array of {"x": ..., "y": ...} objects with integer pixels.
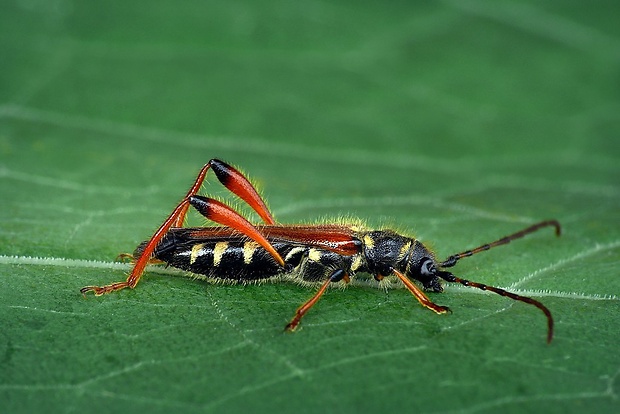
[{"x": 385, "y": 250}]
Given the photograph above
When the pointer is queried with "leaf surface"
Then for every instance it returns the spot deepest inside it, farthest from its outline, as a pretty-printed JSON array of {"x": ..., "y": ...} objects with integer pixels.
[{"x": 457, "y": 122}]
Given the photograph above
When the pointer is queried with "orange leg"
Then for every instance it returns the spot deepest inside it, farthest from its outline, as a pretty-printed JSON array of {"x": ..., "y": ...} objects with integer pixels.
[
  {"x": 220, "y": 213},
  {"x": 129, "y": 258},
  {"x": 419, "y": 295},
  {"x": 138, "y": 268},
  {"x": 234, "y": 181},
  {"x": 239, "y": 185},
  {"x": 335, "y": 277},
  {"x": 231, "y": 179}
]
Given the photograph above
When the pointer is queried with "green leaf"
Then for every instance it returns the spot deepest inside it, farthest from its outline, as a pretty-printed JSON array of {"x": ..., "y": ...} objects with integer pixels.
[{"x": 458, "y": 122}]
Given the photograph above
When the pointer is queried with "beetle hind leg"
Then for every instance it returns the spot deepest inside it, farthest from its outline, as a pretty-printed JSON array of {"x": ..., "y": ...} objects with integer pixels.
[{"x": 234, "y": 181}]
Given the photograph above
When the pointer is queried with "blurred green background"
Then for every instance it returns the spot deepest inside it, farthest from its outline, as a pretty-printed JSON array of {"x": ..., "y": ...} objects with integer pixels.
[{"x": 454, "y": 121}]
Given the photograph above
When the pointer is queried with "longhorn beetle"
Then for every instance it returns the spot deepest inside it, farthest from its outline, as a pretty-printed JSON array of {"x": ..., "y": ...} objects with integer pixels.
[{"x": 321, "y": 254}]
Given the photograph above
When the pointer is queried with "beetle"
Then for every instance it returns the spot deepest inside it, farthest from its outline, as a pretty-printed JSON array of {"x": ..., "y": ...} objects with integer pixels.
[{"x": 236, "y": 250}]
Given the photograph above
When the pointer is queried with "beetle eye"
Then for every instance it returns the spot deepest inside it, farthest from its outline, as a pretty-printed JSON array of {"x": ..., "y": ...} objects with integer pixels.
[{"x": 428, "y": 268}]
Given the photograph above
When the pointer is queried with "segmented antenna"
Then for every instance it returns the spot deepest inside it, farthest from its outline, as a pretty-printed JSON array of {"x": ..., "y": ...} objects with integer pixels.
[
  {"x": 451, "y": 261},
  {"x": 449, "y": 277}
]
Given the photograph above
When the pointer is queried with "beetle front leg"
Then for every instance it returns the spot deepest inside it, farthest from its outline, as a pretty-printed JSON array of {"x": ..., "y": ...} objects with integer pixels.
[{"x": 419, "y": 295}]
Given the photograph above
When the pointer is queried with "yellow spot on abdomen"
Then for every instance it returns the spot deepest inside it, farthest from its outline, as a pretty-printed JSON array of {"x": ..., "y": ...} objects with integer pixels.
[
  {"x": 314, "y": 255},
  {"x": 197, "y": 250},
  {"x": 293, "y": 252},
  {"x": 218, "y": 252},
  {"x": 248, "y": 251}
]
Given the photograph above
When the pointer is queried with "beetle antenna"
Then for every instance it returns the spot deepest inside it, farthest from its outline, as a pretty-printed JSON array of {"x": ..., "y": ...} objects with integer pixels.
[
  {"x": 451, "y": 261},
  {"x": 449, "y": 277}
]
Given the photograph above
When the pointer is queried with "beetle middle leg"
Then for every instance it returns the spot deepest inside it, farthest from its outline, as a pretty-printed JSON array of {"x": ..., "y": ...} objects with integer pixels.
[{"x": 336, "y": 276}]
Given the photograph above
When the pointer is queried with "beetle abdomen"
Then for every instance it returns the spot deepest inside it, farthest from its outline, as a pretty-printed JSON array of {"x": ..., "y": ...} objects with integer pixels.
[{"x": 234, "y": 260}]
